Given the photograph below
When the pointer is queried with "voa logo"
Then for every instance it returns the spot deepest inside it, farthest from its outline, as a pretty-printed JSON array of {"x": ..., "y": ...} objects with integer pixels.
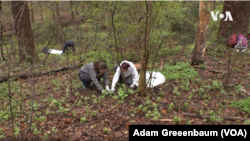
[{"x": 228, "y": 16}]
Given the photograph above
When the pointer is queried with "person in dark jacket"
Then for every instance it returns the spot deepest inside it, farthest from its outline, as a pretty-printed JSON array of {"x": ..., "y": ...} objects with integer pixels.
[
  {"x": 68, "y": 44},
  {"x": 92, "y": 72}
]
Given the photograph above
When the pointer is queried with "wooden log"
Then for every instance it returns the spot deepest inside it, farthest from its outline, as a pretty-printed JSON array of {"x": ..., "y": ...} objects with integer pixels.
[{"x": 205, "y": 116}]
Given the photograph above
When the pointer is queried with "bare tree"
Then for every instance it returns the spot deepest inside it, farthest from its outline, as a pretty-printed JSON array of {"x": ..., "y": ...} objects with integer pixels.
[
  {"x": 41, "y": 11},
  {"x": 72, "y": 11},
  {"x": 1, "y": 32},
  {"x": 145, "y": 55},
  {"x": 24, "y": 32},
  {"x": 201, "y": 33}
]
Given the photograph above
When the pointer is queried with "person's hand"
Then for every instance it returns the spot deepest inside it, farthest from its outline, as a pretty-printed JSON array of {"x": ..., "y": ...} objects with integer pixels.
[
  {"x": 131, "y": 86},
  {"x": 112, "y": 89},
  {"x": 107, "y": 88}
]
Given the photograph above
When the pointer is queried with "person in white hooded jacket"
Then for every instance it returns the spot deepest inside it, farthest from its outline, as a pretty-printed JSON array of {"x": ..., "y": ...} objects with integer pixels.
[{"x": 129, "y": 71}]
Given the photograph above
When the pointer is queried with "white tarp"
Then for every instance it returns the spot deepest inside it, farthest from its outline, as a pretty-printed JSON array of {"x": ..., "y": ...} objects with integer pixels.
[
  {"x": 156, "y": 79},
  {"x": 54, "y": 51}
]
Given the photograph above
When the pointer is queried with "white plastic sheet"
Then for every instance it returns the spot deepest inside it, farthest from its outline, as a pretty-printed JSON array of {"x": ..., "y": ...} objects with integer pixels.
[
  {"x": 54, "y": 51},
  {"x": 156, "y": 79}
]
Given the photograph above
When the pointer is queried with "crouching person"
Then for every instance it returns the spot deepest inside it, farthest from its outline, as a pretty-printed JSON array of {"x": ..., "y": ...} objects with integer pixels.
[
  {"x": 129, "y": 71},
  {"x": 93, "y": 72},
  {"x": 67, "y": 45}
]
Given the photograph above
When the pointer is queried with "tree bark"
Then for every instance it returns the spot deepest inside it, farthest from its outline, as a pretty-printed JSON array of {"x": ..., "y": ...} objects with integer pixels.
[
  {"x": 31, "y": 12},
  {"x": 41, "y": 10},
  {"x": 24, "y": 34},
  {"x": 1, "y": 32},
  {"x": 240, "y": 14},
  {"x": 201, "y": 33},
  {"x": 144, "y": 61},
  {"x": 58, "y": 21},
  {"x": 72, "y": 11}
]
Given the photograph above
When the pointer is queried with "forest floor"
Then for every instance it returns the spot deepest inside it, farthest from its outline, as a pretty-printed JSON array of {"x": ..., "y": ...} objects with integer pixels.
[{"x": 63, "y": 111}]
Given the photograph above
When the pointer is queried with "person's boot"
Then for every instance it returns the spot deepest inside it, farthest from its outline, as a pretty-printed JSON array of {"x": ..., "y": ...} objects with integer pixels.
[{"x": 83, "y": 86}]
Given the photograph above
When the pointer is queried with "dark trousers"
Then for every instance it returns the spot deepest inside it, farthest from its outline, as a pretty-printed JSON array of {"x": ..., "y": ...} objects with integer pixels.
[
  {"x": 86, "y": 79},
  {"x": 69, "y": 44},
  {"x": 128, "y": 79}
]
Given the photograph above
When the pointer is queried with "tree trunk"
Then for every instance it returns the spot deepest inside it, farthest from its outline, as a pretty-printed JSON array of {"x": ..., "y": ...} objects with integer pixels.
[
  {"x": 72, "y": 12},
  {"x": 1, "y": 32},
  {"x": 53, "y": 13},
  {"x": 240, "y": 14},
  {"x": 41, "y": 10},
  {"x": 31, "y": 12},
  {"x": 24, "y": 35},
  {"x": 106, "y": 15},
  {"x": 58, "y": 21},
  {"x": 144, "y": 61},
  {"x": 201, "y": 33}
]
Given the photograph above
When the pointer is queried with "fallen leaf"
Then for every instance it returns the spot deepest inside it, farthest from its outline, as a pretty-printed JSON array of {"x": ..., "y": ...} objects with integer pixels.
[
  {"x": 24, "y": 128},
  {"x": 127, "y": 125},
  {"x": 163, "y": 111},
  {"x": 92, "y": 126}
]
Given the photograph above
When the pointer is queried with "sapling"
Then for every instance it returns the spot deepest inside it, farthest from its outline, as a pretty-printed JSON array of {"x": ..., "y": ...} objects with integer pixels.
[
  {"x": 158, "y": 99},
  {"x": 79, "y": 103},
  {"x": 37, "y": 131},
  {"x": 148, "y": 102},
  {"x": 189, "y": 123},
  {"x": 33, "y": 125},
  {"x": 178, "y": 93},
  {"x": 93, "y": 113},
  {"x": 95, "y": 101},
  {"x": 83, "y": 119},
  {"x": 161, "y": 93},
  {"x": 171, "y": 105},
  {"x": 140, "y": 107},
  {"x": 185, "y": 105},
  {"x": 247, "y": 122},
  {"x": 74, "y": 114},
  {"x": 105, "y": 130},
  {"x": 54, "y": 130},
  {"x": 46, "y": 136},
  {"x": 176, "y": 119},
  {"x": 42, "y": 119},
  {"x": 77, "y": 94},
  {"x": 155, "y": 105},
  {"x": 67, "y": 95},
  {"x": 144, "y": 109}
]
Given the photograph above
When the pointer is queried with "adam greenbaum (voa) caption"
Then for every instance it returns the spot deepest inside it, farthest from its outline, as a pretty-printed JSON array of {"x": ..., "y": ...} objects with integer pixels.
[{"x": 164, "y": 132}]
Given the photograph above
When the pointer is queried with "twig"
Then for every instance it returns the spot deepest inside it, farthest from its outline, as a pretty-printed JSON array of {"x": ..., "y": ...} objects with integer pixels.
[
  {"x": 32, "y": 109},
  {"x": 24, "y": 75},
  {"x": 43, "y": 63},
  {"x": 245, "y": 91},
  {"x": 163, "y": 120},
  {"x": 161, "y": 65}
]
